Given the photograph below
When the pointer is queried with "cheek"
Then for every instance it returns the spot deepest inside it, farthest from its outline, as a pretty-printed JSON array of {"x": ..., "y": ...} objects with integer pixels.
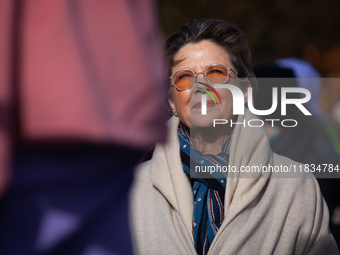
[
  {"x": 227, "y": 102},
  {"x": 182, "y": 99},
  {"x": 226, "y": 96},
  {"x": 182, "y": 103}
]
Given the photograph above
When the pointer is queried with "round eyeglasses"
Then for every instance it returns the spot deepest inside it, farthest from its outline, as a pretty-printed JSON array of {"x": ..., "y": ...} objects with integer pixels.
[{"x": 216, "y": 73}]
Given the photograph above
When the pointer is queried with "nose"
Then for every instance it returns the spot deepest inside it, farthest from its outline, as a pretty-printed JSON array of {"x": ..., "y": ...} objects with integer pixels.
[
  {"x": 202, "y": 83},
  {"x": 200, "y": 78},
  {"x": 201, "y": 73},
  {"x": 201, "y": 87}
]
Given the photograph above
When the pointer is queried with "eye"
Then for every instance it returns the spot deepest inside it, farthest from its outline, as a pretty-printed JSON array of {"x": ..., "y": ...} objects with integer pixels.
[
  {"x": 184, "y": 75},
  {"x": 217, "y": 71}
]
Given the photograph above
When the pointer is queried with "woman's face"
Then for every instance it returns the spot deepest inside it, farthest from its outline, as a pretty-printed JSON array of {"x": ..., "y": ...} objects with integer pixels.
[{"x": 186, "y": 103}]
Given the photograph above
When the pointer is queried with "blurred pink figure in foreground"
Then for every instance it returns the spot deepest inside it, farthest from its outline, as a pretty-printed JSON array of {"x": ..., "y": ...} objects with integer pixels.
[{"x": 75, "y": 75}]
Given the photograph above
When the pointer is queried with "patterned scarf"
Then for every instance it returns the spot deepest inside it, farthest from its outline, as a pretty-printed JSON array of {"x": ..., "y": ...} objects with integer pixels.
[{"x": 208, "y": 188}]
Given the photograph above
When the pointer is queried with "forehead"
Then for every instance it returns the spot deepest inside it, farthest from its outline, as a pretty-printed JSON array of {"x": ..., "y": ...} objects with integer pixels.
[{"x": 197, "y": 56}]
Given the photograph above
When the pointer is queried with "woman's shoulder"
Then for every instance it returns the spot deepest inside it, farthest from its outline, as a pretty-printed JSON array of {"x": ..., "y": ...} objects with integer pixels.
[
  {"x": 290, "y": 182},
  {"x": 290, "y": 168},
  {"x": 142, "y": 169},
  {"x": 142, "y": 178},
  {"x": 299, "y": 193},
  {"x": 141, "y": 188}
]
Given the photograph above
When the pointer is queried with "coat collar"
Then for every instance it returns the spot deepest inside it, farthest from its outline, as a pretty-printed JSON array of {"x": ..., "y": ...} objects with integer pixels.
[
  {"x": 168, "y": 177},
  {"x": 249, "y": 147}
]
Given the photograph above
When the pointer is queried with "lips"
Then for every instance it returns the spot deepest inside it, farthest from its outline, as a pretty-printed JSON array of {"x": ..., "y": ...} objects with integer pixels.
[{"x": 198, "y": 105}]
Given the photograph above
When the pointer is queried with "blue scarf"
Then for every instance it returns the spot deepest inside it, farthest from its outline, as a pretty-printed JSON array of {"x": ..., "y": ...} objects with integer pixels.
[{"x": 208, "y": 188}]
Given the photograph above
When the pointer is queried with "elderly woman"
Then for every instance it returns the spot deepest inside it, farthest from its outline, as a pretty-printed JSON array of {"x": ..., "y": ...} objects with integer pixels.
[{"x": 178, "y": 207}]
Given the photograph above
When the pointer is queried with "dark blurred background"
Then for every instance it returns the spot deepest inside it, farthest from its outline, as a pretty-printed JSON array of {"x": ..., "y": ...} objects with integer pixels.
[{"x": 278, "y": 29}]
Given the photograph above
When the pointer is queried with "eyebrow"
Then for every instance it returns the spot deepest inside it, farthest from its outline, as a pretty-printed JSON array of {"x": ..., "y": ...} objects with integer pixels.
[{"x": 176, "y": 62}]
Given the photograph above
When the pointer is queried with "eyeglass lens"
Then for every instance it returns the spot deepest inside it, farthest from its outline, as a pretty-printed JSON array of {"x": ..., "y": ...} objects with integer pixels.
[{"x": 183, "y": 79}]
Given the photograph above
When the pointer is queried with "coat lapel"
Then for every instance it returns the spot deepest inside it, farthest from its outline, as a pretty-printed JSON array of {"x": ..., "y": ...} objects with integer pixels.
[
  {"x": 249, "y": 147},
  {"x": 168, "y": 177}
]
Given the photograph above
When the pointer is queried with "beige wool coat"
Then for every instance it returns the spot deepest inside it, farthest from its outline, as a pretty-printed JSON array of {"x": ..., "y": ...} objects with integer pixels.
[{"x": 263, "y": 213}]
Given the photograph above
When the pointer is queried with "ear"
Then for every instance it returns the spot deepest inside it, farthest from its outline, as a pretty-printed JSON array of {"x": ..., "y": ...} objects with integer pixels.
[
  {"x": 172, "y": 106},
  {"x": 245, "y": 85}
]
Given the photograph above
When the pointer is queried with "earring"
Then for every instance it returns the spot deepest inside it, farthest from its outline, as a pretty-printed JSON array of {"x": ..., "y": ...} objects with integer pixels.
[{"x": 175, "y": 112}]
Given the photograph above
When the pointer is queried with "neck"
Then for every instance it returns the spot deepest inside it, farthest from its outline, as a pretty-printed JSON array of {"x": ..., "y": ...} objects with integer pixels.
[{"x": 210, "y": 140}]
